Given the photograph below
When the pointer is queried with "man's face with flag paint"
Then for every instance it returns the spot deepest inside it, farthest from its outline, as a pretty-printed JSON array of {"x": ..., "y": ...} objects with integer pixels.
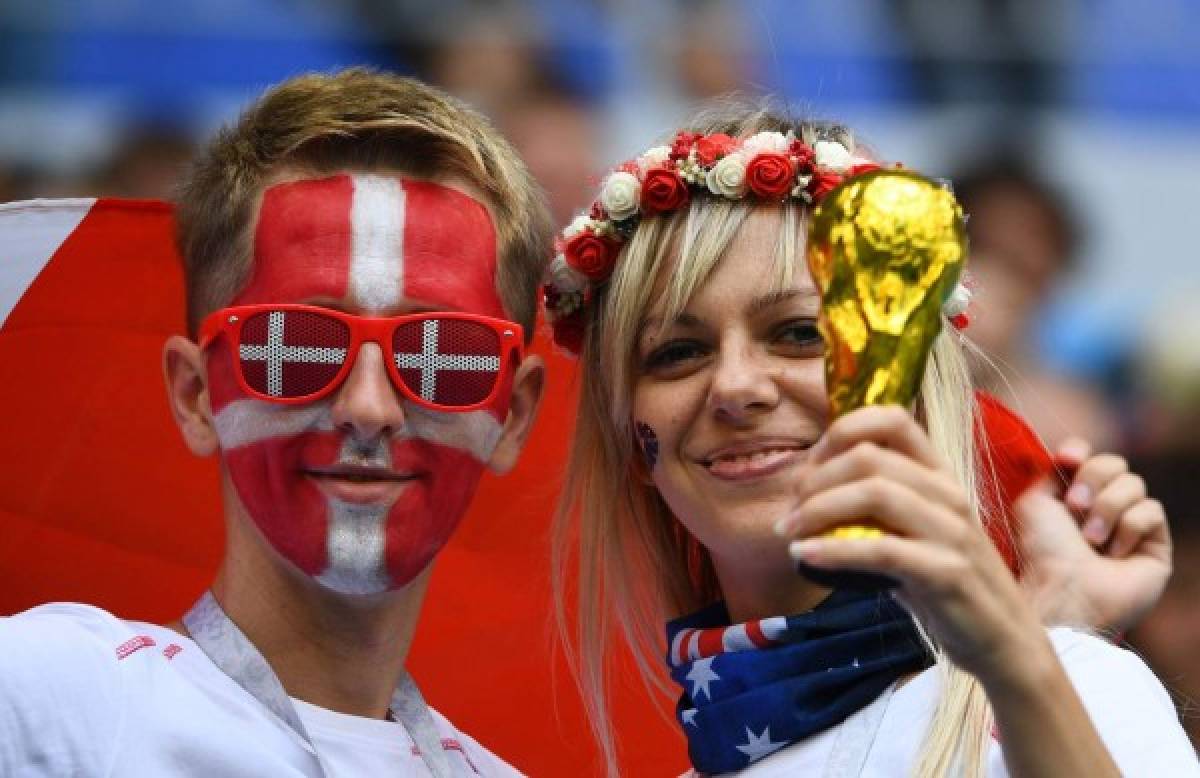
[{"x": 361, "y": 488}]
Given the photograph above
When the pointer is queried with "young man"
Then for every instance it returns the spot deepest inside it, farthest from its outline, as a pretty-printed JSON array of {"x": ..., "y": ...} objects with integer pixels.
[{"x": 361, "y": 256}]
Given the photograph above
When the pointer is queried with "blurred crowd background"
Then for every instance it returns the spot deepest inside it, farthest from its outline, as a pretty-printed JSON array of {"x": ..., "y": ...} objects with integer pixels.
[{"x": 1070, "y": 128}]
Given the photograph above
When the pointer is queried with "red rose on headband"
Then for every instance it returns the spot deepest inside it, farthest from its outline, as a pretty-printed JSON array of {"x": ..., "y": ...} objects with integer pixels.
[
  {"x": 591, "y": 255},
  {"x": 710, "y": 148},
  {"x": 770, "y": 175},
  {"x": 804, "y": 155},
  {"x": 663, "y": 190},
  {"x": 822, "y": 183},
  {"x": 682, "y": 145}
]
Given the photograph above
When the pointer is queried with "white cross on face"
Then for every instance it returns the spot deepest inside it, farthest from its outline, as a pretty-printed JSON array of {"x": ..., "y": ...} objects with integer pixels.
[
  {"x": 275, "y": 353},
  {"x": 429, "y": 361}
]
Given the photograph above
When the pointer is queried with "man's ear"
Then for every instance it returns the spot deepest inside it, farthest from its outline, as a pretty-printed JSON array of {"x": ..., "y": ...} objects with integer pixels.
[
  {"x": 187, "y": 394},
  {"x": 527, "y": 387}
]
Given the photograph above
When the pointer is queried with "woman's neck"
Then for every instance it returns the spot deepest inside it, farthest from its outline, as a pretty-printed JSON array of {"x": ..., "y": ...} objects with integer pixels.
[{"x": 758, "y": 591}]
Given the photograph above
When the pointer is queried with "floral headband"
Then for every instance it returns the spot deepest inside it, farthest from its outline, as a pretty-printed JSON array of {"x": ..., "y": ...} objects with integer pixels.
[{"x": 769, "y": 166}]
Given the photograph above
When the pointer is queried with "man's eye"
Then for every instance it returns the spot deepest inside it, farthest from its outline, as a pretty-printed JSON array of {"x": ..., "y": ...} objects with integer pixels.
[
  {"x": 800, "y": 334},
  {"x": 674, "y": 353}
]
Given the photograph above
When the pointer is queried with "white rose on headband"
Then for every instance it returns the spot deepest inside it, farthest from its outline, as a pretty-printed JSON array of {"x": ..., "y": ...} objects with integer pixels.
[
  {"x": 957, "y": 302},
  {"x": 620, "y": 195},
  {"x": 832, "y": 155},
  {"x": 766, "y": 142},
  {"x": 565, "y": 278},
  {"x": 654, "y": 157},
  {"x": 728, "y": 177},
  {"x": 577, "y": 225}
]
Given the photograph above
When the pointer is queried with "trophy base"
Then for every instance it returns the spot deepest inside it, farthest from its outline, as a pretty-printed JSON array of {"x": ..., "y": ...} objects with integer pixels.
[{"x": 844, "y": 579}]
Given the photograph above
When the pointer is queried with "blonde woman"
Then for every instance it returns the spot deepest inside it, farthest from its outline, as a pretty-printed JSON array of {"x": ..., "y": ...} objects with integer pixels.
[{"x": 705, "y": 465}]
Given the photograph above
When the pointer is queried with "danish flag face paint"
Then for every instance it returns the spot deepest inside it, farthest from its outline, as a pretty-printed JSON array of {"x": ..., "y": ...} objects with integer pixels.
[{"x": 361, "y": 512}]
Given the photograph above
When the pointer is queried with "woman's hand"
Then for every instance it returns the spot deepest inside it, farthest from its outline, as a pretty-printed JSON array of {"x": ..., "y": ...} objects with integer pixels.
[
  {"x": 877, "y": 466},
  {"x": 1109, "y": 573}
]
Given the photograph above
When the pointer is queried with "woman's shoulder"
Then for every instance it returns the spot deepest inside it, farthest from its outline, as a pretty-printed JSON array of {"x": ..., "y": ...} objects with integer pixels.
[
  {"x": 1128, "y": 704},
  {"x": 1086, "y": 656}
]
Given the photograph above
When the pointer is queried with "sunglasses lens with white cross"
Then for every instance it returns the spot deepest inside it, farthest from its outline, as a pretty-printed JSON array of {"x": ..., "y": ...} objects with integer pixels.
[{"x": 297, "y": 353}]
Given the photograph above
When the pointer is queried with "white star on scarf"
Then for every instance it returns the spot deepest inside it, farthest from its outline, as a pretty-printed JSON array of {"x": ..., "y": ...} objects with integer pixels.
[
  {"x": 689, "y": 717},
  {"x": 701, "y": 675},
  {"x": 758, "y": 746}
]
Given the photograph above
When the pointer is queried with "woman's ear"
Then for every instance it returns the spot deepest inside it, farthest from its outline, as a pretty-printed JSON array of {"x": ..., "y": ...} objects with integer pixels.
[
  {"x": 187, "y": 394},
  {"x": 527, "y": 388}
]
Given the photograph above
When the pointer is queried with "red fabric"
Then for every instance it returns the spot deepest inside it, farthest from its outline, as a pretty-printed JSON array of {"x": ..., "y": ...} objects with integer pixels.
[{"x": 1012, "y": 456}]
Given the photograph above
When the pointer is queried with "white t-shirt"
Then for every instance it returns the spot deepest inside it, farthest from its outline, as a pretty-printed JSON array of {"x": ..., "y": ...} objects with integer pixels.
[
  {"x": 1128, "y": 705},
  {"x": 83, "y": 693}
]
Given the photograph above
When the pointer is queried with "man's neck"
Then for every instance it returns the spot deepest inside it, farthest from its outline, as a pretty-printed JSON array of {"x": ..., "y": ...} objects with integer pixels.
[{"x": 344, "y": 653}]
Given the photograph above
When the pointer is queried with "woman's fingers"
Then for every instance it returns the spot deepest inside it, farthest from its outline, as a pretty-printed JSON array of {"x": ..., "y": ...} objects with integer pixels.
[
  {"x": 879, "y": 500},
  {"x": 888, "y": 426},
  {"x": 1089, "y": 480},
  {"x": 1072, "y": 453},
  {"x": 929, "y": 567},
  {"x": 1144, "y": 520},
  {"x": 1112, "y": 501},
  {"x": 866, "y": 461}
]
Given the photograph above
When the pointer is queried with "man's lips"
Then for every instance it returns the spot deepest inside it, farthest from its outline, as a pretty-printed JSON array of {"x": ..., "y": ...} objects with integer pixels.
[
  {"x": 750, "y": 459},
  {"x": 360, "y": 484}
]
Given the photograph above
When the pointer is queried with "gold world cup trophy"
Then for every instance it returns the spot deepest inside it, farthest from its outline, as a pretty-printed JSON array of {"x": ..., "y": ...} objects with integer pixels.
[{"x": 885, "y": 249}]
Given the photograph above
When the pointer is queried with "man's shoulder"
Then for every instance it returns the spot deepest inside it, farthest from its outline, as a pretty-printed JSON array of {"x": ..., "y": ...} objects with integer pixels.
[
  {"x": 64, "y": 619},
  {"x": 66, "y": 634}
]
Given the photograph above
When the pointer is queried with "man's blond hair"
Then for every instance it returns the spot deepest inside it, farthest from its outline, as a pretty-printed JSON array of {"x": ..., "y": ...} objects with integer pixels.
[{"x": 355, "y": 119}]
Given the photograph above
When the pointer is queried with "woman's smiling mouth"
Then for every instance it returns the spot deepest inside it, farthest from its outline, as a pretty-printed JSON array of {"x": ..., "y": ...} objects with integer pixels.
[{"x": 749, "y": 460}]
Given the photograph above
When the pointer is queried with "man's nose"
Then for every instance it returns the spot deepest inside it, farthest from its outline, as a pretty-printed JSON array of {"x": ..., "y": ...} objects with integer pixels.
[{"x": 366, "y": 405}]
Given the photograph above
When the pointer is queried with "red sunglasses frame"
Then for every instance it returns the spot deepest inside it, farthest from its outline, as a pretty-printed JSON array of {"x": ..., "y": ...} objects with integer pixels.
[{"x": 363, "y": 329}]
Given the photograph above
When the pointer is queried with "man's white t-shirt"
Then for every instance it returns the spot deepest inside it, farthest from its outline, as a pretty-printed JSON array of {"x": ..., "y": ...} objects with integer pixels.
[
  {"x": 1127, "y": 704},
  {"x": 83, "y": 693}
]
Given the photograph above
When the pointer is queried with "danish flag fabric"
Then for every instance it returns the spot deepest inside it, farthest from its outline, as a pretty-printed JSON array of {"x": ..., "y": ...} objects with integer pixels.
[{"x": 89, "y": 291}]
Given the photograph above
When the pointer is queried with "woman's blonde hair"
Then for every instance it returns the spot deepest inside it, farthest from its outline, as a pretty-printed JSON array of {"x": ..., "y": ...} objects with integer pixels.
[{"x": 637, "y": 565}]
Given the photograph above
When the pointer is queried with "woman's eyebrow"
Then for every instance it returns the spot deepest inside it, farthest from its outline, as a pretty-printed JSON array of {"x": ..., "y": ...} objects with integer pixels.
[
  {"x": 656, "y": 323},
  {"x": 763, "y": 302}
]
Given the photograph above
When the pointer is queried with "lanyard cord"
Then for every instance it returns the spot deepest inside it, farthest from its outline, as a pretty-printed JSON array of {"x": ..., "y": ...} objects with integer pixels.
[{"x": 231, "y": 651}]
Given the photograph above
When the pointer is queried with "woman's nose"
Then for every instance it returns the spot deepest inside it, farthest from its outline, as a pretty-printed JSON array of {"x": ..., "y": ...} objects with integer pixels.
[
  {"x": 366, "y": 405},
  {"x": 743, "y": 384}
]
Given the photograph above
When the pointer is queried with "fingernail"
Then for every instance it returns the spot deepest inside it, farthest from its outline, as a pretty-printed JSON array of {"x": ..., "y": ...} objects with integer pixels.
[
  {"x": 805, "y": 549},
  {"x": 1080, "y": 496},
  {"x": 783, "y": 526},
  {"x": 1094, "y": 530},
  {"x": 1075, "y": 449}
]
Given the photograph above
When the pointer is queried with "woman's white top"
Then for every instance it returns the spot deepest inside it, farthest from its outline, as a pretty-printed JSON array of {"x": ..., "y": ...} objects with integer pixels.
[{"x": 1128, "y": 705}]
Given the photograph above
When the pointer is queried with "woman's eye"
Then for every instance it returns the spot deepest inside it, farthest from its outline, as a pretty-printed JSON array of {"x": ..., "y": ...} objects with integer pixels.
[
  {"x": 674, "y": 353},
  {"x": 800, "y": 334}
]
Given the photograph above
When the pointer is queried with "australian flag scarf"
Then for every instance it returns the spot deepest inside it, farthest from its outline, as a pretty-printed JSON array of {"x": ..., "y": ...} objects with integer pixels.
[{"x": 751, "y": 689}]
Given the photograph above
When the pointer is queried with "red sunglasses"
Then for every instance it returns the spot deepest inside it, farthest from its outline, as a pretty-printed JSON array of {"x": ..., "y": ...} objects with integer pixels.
[{"x": 294, "y": 354}]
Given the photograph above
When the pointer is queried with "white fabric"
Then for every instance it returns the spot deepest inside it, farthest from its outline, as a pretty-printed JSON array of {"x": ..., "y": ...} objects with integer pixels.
[
  {"x": 70, "y": 706},
  {"x": 1127, "y": 703},
  {"x": 33, "y": 230}
]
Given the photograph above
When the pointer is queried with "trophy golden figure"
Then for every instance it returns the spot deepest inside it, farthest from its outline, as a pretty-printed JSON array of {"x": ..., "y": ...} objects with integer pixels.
[{"x": 885, "y": 249}]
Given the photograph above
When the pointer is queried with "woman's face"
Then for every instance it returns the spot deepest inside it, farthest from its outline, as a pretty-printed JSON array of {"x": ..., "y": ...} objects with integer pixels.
[{"x": 729, "y": 398}]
